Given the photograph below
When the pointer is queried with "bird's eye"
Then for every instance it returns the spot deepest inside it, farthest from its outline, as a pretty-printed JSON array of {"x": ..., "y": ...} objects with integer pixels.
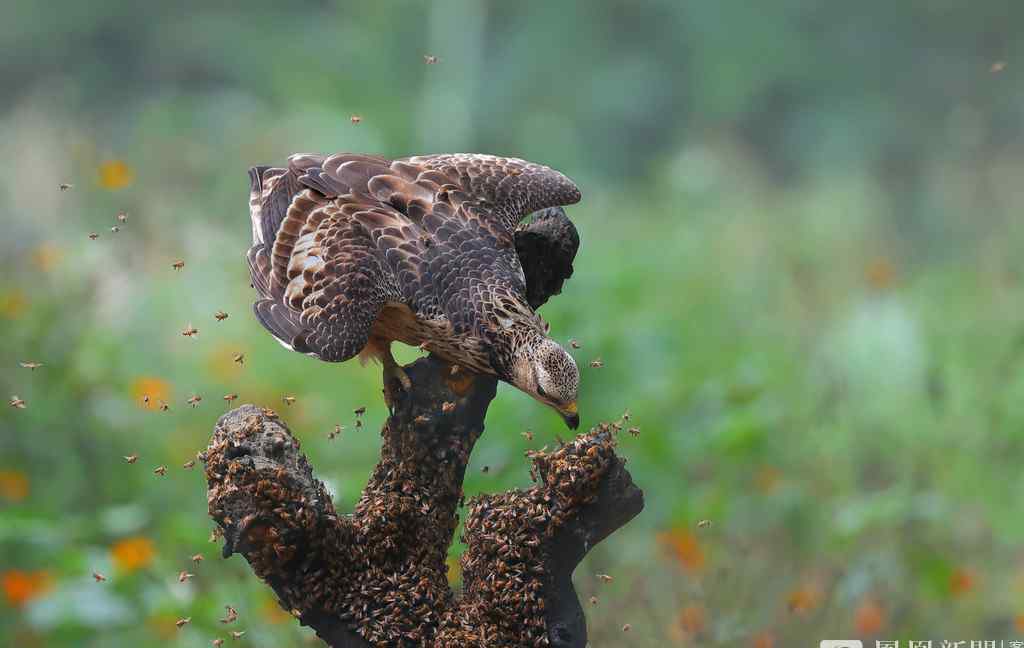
[{"x": 541, "y": 392}]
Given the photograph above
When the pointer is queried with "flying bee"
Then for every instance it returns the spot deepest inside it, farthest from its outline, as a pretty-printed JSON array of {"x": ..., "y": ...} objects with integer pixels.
[
  {"x": 98, "y": 577},
  {"x": 237, "y": 634},
  {"x": 197, "y": 558},
  {"x": 132, "y": 458},
  {"x": 448, "y": 407},
  {"x": 627, "y": 628},
  {"x": 597, "y": 363},
  {"x": 430, "y": 59},
  {"x": 288, "y": 400},
  {"x": 574, "y": 343},
  {"x": 998, "y": 66},
  {"x": 231, "y": 616},
  {"x": 359, "y": 423},
  {"x": 528, "y": 435},
  {"x": 65, "y": 186},
  {"x": 337, "y": 430},
  {"x": 356, "y": 119},
  {"x": 230, "y": 397},
  {"x": 239, "y": 358},
  {"x": 115, "y": 229},
  {"x": 220, "y": 316},
  {"x": 184, "y": 576},
  {"x": 17, "y": 402},
  {"x": 703, "y": 524},
  {"x": 359, "y": 411},
  {"x": 593, "y": 600},
  {"x": 217, "y": 643},
  {"x": 164, "y": 406},
  {"x": 485, "y": 469},
  {"x": 122, "y": 217},
  {"x": 605, "y": 578},
  {"x": 188, "y": 465},
  {"x": 93, "y": 236},
  {"x": 181, "y": 623},
  {"x": 194, "y": 400},
  {"x": 190, "y": 331},
  {"x": 178, "y": 265},
  {"x": 422, "y": 418},
  {"x": 160, "y": 470},
  {"x": 635, "y": 431},
  {"x": 28, "y": 364}
]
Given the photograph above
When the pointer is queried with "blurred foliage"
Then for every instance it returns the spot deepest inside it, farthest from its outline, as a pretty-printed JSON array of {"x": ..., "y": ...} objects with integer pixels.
[{"x": 800, "y": 266}]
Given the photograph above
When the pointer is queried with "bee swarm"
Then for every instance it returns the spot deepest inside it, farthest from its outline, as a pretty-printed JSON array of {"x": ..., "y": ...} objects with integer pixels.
[{"x": 378, "y": 576}]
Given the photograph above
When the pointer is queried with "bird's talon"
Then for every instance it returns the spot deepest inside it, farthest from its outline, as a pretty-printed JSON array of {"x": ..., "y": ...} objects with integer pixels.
[{"x": 393, "y": 372}]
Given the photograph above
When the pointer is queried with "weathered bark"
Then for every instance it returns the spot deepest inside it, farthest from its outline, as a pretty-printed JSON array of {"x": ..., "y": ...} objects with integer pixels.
[{"x": 378, "y": 576}]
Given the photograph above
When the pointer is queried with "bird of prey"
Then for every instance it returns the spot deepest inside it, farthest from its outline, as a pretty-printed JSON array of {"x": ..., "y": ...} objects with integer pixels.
[{"x": 351, "y": 252}]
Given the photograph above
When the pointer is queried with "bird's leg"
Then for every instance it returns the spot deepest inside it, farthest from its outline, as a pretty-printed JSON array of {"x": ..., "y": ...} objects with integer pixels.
[{"x": 393, "y": 372}]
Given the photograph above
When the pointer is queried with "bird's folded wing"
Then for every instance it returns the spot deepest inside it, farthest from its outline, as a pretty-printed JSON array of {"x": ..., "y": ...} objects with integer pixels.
[
  {"x": 465, "y": 208},
  {"x": 503, "y": 190},
  {"x": 323, "y": 279},
  {"x": 336, "y": 237}
]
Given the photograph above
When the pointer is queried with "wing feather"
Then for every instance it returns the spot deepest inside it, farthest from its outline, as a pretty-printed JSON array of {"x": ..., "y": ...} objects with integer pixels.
[{"x": 336, "y": 237}]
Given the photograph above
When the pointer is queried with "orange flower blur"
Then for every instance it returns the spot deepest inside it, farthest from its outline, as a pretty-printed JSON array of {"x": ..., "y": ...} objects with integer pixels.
[
  {"x": 46, "y": 256},
  {"x": 804, "y": 599},
  {"x": 13, "y": 304},
  {"x": 767, "y": 479},
  {"x": 961, "y": 582},
  {"x": 684, "y": 548},
  {"x": 692, "y": 619},
  {"x": 131, "y": 554},
  {"x": 20, "y": 587},
  {"x": 156, "y": 388},
  {"x": 13, "y": 485},
  {"x": 880, "y": 273},
  {"x": 870, "y": 616},
  {"x": 115, "y": 174}
]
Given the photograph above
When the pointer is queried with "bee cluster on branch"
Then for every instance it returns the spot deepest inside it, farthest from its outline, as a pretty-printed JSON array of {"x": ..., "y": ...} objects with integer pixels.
[{"x": 379, "y": 575}]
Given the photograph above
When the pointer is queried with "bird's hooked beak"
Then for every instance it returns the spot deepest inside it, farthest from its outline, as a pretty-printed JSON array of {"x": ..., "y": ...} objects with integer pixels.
[{"x": 570, "y": 414}]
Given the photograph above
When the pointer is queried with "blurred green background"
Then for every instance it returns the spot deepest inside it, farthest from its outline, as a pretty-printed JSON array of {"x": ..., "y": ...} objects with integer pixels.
[{"x": 801, "y": 266}]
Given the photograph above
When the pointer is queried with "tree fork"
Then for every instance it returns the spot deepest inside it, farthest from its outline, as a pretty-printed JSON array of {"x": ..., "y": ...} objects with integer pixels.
[{"x": 378, "y": 576}]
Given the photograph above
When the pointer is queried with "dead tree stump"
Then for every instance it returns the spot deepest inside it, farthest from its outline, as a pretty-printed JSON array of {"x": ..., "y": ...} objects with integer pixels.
[{"x": 378, "y": 576}]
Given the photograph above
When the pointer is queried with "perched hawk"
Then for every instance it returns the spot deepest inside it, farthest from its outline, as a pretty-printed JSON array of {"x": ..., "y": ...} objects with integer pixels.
[{"x": 351, "y": 252}]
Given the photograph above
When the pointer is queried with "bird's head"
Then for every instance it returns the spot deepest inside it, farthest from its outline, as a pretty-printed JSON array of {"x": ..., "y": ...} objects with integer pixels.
[{"x": 546, "y": 371}]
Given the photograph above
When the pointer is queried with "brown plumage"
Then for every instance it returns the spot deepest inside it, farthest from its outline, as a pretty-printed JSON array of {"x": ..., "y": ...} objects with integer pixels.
[{"x": 351, "y": 252}]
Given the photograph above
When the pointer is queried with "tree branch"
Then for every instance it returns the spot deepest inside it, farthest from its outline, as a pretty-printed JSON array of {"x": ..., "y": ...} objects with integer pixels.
[{"x": 378, "y": 577}]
